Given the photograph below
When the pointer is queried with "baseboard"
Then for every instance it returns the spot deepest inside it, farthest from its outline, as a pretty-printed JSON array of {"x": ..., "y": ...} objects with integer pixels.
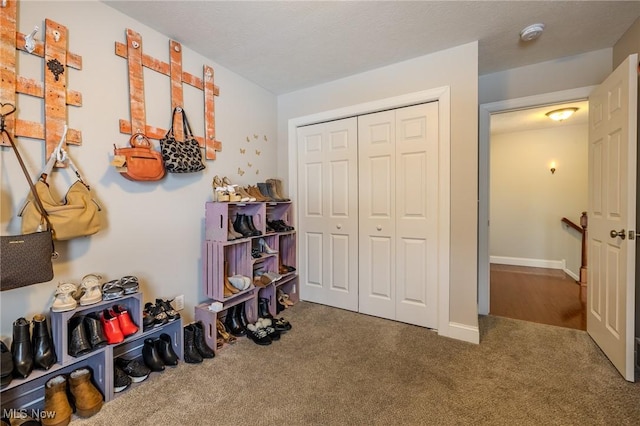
[
  {"x": 571, "y": 274},
  {"x": 464, "y": 332},
  {"x": 523, "y": 261}
]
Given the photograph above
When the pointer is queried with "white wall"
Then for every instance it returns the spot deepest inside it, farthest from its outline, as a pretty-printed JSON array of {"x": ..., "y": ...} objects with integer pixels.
[
  {"x": 583, "y": 70},
  {"x": 457, "y": 68},
  {"x": 152, "y": 230},
  {"x": 528, "y": 202}
]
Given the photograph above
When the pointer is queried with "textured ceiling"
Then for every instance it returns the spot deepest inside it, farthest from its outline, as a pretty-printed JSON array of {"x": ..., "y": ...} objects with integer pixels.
[{"x": 285, "y": 46}]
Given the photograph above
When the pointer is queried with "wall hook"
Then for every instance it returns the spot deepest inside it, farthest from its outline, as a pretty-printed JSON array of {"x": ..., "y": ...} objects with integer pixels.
[
  {"x": 29, "y": 40},
  {"x": 4, "y": 3},
  {"x": 56, "y": 35}
]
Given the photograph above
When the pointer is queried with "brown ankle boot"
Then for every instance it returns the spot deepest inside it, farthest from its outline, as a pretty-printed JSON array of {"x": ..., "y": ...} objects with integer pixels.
[
  {"x": 88, "y": 398},
  {"x": 56, "y": 403}
]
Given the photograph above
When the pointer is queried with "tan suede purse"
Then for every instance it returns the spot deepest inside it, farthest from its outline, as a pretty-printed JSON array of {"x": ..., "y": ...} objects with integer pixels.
[{"x": 77, "y": 215}]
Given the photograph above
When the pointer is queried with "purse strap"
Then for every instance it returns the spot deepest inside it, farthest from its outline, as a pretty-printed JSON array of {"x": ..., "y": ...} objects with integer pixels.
[
  {"x": 4, "y": 131},
  {"x": 188, "y": 134},
  {"x": 60, "y": 154}
]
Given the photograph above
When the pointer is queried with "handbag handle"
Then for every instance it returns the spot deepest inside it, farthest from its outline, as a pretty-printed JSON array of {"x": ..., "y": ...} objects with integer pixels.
[
  {"x": 188, "y": 134},
  {"x": 139, "y": 140},
  {"x": 43, "y": 212},
  {"x": 59, "y": 154}
]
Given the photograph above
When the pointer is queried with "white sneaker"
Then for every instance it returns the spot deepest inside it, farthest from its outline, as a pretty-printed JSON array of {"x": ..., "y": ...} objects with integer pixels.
[
  {"x": 64, "y": 300},
  {"x": 92, "y": 289}
]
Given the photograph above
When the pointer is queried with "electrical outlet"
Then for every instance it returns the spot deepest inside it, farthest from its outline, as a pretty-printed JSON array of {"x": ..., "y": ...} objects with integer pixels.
[{"x": 178, "y": 302}]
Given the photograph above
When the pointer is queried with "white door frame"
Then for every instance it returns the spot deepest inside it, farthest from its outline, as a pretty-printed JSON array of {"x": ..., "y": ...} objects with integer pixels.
[
  {"x": 442, "y": 95},
  {"x": 484, "y": 136}
]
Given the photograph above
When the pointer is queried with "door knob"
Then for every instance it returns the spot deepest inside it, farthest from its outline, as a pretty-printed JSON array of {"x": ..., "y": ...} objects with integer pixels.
[
  {"x": 620, "y": 234},
  {"x": 379, "y": 227},
  {"x": 339, "y": 226}
]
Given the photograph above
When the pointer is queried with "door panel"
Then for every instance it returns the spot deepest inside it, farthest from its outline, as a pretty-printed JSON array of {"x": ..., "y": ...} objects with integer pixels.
[
  {"x": 377, "y": 176},
  {"x": 416, "y": 214},
  {"x": 612, "y": 181},
  {"x": 327, "y": 188}
]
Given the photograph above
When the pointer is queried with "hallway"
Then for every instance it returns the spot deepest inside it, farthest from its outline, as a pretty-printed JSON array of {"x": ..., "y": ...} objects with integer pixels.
[{"x": 546, "y": 296}]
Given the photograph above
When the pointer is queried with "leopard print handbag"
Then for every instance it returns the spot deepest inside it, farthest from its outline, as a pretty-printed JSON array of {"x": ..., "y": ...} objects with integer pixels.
[{"x": 181, "y": 157}]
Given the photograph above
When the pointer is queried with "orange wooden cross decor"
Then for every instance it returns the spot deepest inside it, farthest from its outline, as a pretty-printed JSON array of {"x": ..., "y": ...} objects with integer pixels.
[
  {"x": 132, "y": 51},
  {"x": 53, "y": 90}
]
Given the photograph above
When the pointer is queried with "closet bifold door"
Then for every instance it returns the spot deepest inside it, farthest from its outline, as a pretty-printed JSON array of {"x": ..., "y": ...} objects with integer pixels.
[
  {"x": 328, "y": 213},
  {"x": 377, "y": 199},
  {"x": 398, "y": 207}
]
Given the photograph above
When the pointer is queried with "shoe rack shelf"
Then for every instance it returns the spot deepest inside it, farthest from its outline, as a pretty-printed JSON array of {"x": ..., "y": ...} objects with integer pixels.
[
  {"x": 29, "y": 393},
  {"x": 218, "y": 250}
]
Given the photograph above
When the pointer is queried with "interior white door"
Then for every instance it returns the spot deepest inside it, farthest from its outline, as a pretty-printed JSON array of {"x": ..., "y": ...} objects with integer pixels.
[
  {"x": 328, "y": 213},
  {"x": 377, "y": 213},
  {"x": 612, "y": 215},
  {"x": 398, "y": 179}
]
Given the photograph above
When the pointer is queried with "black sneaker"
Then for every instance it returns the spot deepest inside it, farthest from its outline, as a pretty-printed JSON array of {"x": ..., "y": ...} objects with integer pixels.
[
  {"x": 171, "y": 313},
  {"x": 135, "y": 370},
  {"x": 120, "y": 379},
  {"x": 157, "y": 313}
]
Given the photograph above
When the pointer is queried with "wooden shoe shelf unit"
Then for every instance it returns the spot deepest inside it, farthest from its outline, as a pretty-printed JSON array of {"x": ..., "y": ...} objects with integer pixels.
[
  {"x": 29, "y": 393},
  {"x": 217, "y": 251}
]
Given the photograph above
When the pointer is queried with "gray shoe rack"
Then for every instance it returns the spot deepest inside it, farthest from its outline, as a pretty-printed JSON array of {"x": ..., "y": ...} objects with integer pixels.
[{"x": 29, "y": 393}]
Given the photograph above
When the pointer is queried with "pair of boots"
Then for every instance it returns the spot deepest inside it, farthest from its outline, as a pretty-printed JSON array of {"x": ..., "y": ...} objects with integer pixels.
[
  {"x": 159, "y": 352},
  {"x": 86, "y": 397},
  {"x": 195, "y": 345},
  {"x": 243, "y": 224},
  {"x": 85, "y": 334},
  {"x": 236, "y": 320},
  {"x": 28, "y": 353}
]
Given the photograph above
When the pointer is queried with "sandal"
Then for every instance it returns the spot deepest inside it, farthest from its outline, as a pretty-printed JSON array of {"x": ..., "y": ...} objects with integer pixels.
[
  {"x": 282, "y": 324},
  {"x": 112, "y": 290},
  {"x": 222, "y": 331},
  {"x": 129, "y": 284}
]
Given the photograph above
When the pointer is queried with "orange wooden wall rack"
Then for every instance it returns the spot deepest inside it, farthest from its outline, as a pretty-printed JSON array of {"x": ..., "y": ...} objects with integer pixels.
[
  {"x": 54, "y": 88},
  {"x": 136, "y": 59}
]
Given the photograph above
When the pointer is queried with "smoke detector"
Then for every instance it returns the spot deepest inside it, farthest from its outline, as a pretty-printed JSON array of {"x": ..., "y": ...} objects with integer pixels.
[{"x": 531, "y": 32}]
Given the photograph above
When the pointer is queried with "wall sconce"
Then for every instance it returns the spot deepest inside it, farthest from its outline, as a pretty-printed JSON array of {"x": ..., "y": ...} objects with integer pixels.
[
  {"x": 561, "y": 114},
  {"x": 553, "y": 167}
]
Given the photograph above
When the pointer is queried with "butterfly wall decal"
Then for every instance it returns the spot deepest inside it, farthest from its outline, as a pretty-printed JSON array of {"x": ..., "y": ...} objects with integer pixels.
[
  {"x": 242, "y": 150},
  {"x": 258, "y": 152},
  {"x": 249, "y": 164},
  {"x": 240, "y": 171}
]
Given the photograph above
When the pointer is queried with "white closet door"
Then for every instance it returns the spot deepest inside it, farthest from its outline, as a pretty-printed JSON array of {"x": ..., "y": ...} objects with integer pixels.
[
  {"x": 416, "y": 212},
  {"x": 377, "y": 190},
  {"x": 328, "y": 213}
]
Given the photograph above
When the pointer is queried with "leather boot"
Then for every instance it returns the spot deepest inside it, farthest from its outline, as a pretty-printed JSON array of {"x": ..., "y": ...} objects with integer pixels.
[
  {"x": 200, "y": 342},
  {"x": 44, "y": 355},
  {"x": 241, "y": 314},
  {"x": 88, "y": 399},
  {"x": 165, "y": 350},
  {"x": 6, "y": 365},
  {"x": 78, "y": 340},
  {"x": 151, "y": 356},
  {"x": 191, "y": 354},
  {"x": 232, "y": 323},
  {"x": 263, "y": 308},
  {"x": 240, "y": 225},
  {"x": 251, "y": 226},
  {"x": 21, "y": 349},
  {"x": 264, "y": 190},
  {"x": 94, "y": 330},
  {"x": 56, "y": 402}
]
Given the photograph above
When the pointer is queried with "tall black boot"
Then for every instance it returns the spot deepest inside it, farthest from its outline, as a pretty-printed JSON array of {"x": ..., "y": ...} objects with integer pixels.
[
  {"x": 233, "y": 324},
  {"x": 21, "y": 349},
  {"x": 94, "y": 330},
  {"x": 263, "y": 308},
  {"x": 78, "y": 339},
  {"x": 241, "y": 315},
  {"x": 201, "y": 343},
  {"x": 44, "y": 354},
  {"x": 191, "y": 354},
  {"x": 249, "y": 220}
]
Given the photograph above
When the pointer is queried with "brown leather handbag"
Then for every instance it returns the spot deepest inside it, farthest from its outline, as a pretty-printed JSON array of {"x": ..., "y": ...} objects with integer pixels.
[{"x": 142, "y": 162}]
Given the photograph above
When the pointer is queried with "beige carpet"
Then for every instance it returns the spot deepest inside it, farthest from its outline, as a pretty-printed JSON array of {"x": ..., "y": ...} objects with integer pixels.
[{"x": 341, "y": 368}]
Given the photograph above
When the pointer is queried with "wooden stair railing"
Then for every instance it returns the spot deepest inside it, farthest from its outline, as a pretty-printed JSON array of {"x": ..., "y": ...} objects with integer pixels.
[{"x": 583, "y": 230}]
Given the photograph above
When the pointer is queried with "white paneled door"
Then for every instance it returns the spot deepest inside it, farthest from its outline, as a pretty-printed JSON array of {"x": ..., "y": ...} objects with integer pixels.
[
  {"x": 368, "y": 192},
  {"x": 398, "y": 214},
  {"x": 328, "y": 213},
  {"x": 612, "y": 215}
]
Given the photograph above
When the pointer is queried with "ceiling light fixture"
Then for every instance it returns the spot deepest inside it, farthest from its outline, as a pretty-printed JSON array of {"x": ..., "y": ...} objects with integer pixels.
[
  {"x": 561, "y": 114},
  {"x": 531, "y": 32}
]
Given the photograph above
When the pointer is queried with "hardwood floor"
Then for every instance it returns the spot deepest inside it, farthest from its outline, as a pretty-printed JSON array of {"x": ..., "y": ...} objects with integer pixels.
[{"x": 547, "y": 296}]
